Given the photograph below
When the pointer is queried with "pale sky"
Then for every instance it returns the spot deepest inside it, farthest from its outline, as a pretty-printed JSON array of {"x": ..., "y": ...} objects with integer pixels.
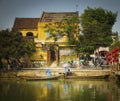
[{"x": 10, "y": 9}]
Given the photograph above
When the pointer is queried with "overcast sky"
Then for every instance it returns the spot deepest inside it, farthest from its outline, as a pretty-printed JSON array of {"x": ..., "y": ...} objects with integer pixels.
[{"x": 10, "y": 9}]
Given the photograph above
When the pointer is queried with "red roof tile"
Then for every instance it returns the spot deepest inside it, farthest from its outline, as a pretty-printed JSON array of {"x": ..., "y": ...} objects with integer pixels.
[
  {"x": 31, "y": 23},
  {"x": 56, "y": 16},
  {"x": 25, "y": 23}
]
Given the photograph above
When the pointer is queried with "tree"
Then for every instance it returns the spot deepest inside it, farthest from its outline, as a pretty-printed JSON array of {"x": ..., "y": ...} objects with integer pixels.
[
  {"x": 13, "y": 45},
  {"x": 96, "y": 30},
  {"x": 68, "y": 26},
  {"x": 116, "y": 42},
  {"x": 97, "y": 26},
  {"x": 5, "y": 44}
]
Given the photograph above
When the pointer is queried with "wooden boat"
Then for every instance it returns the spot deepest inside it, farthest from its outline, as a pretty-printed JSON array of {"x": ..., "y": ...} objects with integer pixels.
[
  {"x": 88, "y": 77},
  {"x": 41, "y": 78}
]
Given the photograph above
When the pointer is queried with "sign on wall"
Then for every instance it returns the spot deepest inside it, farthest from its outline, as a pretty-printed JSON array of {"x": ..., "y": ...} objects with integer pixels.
[{"x": 65, "y": 52}]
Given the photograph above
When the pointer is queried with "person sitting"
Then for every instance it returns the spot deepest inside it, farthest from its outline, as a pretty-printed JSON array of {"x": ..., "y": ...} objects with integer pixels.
[
  {"x": 48, "y": 72},
  {"x": 67, "y": 71}
]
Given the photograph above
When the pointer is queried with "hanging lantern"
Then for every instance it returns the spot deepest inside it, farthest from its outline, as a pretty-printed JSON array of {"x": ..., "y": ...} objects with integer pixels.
[
  {"x": 116, "y": 54},
  {"x": 110, "y": 62},
  {"x": 113, "y": 51},
  {"x": 116, "y": 49}
]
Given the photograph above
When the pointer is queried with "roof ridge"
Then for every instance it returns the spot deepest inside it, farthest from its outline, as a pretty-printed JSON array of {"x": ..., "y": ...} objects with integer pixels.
[
  {"x": 27, "y": 18},
  {"x": 61, "y": 12},
  {"x": 56, "y": 16}
]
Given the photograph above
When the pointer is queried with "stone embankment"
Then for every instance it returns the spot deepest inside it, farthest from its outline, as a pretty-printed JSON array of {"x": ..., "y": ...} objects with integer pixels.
[{"x": 33, "y": 72}]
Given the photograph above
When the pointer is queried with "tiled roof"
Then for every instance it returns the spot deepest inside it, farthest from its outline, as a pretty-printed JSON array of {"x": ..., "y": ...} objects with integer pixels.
[
  {"x": 56, "y": 16},
  {"x": 25, "y": 23},
  {"x": 31, "y": 23}
]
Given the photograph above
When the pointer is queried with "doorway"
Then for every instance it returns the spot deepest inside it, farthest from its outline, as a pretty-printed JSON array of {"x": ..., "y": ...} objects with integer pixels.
[{"x": 53, "y": 55}]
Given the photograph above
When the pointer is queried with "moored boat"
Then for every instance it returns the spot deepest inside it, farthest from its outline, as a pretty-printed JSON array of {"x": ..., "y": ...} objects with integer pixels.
[
  {"x": 88, "y": 77},
  {"x": 41, "y": 78}
]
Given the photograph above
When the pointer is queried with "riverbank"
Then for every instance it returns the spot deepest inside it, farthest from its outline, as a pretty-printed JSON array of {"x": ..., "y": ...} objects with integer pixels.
[{"x": 39, "y": 72}]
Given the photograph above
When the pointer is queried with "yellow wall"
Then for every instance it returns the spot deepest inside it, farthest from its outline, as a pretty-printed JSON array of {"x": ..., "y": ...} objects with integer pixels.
[
  {"x": 24, "y": 31},
  {"x": 41, "y": 31},
  {"x": 41, "y": 54}
]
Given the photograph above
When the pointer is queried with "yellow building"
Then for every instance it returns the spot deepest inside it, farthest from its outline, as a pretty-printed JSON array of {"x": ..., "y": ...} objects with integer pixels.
[{"x": 34, "y": 27}]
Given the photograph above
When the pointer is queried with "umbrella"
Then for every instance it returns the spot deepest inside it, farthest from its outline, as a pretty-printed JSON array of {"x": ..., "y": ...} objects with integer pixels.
[
  {"x": 81, "y": 60},
  {"x": 66, "y": 65},
  {"x": 70, "y": 60}
]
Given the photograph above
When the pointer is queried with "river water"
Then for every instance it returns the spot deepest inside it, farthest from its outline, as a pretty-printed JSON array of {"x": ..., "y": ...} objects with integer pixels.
[{"x": 59, "y": 90}]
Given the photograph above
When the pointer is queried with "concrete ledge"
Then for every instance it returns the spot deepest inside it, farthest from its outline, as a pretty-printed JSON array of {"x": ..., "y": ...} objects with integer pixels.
[{"x": 55, "y": 71}]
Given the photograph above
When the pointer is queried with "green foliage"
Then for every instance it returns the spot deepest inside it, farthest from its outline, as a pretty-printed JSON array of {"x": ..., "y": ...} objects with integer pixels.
[
  {"x": 13, "y": 45},
  {"x": 115, "y": 44},
  {"x": 68, "y": 26},
  {"x": 96, "y": 30},
  {"x": 97, "y": 26},
  {"x": 87, "y": 49}
]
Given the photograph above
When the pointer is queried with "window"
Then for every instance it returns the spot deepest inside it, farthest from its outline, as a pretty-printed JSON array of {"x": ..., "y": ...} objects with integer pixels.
[{"x": 29, "y": 34}]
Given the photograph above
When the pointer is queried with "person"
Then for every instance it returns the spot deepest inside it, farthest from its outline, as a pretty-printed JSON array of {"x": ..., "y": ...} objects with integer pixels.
[
  {"x": 67, "y": 71},
  {"x": 96, "y": 60},
  {"x": 71, "y": 63},
  {"x": 81, "y": 62},
  {"x": 48, "y": 72}
]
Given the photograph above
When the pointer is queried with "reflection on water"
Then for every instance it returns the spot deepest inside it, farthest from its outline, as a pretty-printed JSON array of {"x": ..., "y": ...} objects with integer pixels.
[{"x": 60, "y": 90}]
